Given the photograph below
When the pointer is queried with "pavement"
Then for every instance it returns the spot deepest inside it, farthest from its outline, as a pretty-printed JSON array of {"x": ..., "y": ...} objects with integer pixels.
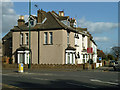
[{"x": 37, "y": 79}]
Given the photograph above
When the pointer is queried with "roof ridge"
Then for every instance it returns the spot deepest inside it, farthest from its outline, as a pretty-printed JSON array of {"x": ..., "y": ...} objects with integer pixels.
[
  {"x": 57, "y": 20},
  {"x": 60, "y": 23}
]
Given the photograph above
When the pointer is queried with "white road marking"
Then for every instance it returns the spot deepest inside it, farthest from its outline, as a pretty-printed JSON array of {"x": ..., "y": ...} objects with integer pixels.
[
  {"x": 42, "y": 79},
  {"x": 10, "y": 75},
  {"x": 81, "y": 85},
  {"x": 95, "y": 80}
]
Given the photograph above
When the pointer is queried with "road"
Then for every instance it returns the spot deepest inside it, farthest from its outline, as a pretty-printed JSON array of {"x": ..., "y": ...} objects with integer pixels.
[{"x": 60, "y": 79}]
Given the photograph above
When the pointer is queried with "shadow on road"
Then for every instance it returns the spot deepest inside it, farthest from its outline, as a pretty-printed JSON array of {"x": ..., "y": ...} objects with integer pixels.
[{"x": 59, "y": 83}]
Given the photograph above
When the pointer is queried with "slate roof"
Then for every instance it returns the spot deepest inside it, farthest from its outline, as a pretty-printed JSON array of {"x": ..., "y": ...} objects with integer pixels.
[
  {"x": 52, "y": 22},
  {"x": 22, "y": 48},
  {"x": 70, "y": 48},
  {"x": 7, "y": 36}
]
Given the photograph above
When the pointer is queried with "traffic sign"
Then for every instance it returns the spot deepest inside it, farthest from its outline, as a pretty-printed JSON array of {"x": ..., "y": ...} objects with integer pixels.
[{"x": 100, "y": 58}]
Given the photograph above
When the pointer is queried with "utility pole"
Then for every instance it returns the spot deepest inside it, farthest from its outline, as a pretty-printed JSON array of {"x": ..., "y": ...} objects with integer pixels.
[{"x": 29, "y": 66}]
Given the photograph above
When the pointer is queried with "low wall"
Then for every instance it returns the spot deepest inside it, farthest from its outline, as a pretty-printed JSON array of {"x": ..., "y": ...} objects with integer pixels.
[
  {"x": 52, "y": 66},
  {"x": 98, "y": 64}
]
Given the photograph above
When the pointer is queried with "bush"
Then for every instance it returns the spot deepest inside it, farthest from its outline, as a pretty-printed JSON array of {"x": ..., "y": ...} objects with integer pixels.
[{"x": 10, "y": 60}]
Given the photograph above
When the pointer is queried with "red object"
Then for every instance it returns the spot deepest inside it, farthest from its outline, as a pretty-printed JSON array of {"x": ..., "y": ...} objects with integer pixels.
[{"x": 89, "y": 50}]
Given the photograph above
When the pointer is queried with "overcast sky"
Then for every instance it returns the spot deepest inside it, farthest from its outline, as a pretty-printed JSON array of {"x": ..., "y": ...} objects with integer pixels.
[{"x": 101, "y": 18}]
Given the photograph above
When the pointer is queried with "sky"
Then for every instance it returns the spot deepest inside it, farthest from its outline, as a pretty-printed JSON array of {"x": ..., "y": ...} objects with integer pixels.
[{"x": 100, "y": 18}]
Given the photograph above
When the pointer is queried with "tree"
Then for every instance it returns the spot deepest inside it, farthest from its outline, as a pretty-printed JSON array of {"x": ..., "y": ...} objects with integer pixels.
[
  {"x": 116, "y": 52},
  {"x": 110, "y": 57},
  {"x": 101, "y": 54}
]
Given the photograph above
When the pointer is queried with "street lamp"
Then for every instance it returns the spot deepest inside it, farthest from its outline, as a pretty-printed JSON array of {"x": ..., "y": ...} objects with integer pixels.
[{"x": 29, "y": 66}]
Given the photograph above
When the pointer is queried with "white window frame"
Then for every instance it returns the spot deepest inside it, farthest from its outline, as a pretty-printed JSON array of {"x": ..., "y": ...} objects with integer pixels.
[
  {"x": 45, "y": 38},
  {"x": 26, "y": 38},
  {"x": 51, "y": 37},
  {"x": 21, "y": 38}
]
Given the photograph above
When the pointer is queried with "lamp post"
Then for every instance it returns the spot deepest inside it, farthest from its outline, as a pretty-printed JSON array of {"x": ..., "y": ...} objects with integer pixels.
[{"x": 29, "y": 66}]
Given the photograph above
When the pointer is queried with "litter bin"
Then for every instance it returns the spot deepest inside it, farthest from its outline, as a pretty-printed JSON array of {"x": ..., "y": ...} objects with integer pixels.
[{"x": 20, "y": 67}]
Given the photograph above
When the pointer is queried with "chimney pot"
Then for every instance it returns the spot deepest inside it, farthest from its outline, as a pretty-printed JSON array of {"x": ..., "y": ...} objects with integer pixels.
[
  {"x": 21, "y": 20},
  {"x": 61, "y": 13}
]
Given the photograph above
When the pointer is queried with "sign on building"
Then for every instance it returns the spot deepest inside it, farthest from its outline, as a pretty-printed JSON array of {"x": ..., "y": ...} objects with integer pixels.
[{"x": 89, "y": 50}]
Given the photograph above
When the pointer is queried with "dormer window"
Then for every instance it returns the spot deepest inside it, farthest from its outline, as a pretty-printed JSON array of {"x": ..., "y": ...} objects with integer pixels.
[
  {"x": 44, "y": 20},
  {"x": 31, "y": 22},
  {"x": 76, "y": 36},
  {"x": 67, "y": 23}
]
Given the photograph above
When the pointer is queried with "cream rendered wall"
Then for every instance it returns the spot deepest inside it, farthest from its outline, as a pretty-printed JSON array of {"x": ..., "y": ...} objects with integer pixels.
[
  {"x": 95, "y": 52},
  {"x": 72, "y": 39},
  {"x": 34, "y": 44},
  {"x": 85, "y": 42},
  {"x": 53, "y": 54},
  {"x": 34, "y": 47},
  {"x": 79, "y": 49},
  {"x": 15, "y": 43}
]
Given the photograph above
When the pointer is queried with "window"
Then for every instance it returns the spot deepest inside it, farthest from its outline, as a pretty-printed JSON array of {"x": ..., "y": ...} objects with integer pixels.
[
  {"x": 31, "y": 22},
  {"x": 21, "y": 38},
  {"x": 76, "y": 41},
  {"x": 67, "y": 23},
  {"x": 26, "y": 38},
  {"x": 67, "y": 38},
  {"x": 68, "y": 58},
  {"x": 51, "y": 37},
  {"x": 83, "y": 58},
  {"x": 21, "y": 58},
  {"x": 78, "y": 55},
  {"x": 45, "y": 38},
  {"x": 44, "y": 20},
  {"x": 83, "y": 41},
  {"x": 72, "y": 59}
]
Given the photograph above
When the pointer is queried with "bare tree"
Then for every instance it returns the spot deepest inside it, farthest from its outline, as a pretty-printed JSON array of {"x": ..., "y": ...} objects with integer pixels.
[{"x": 116, "y": 51}]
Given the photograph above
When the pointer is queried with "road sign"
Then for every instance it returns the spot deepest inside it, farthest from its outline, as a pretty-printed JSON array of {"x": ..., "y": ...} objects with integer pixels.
[{"x": 100, "y": 58}]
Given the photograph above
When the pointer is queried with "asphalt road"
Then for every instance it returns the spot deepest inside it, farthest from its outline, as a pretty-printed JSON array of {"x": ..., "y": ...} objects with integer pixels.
[{"x": 60, "y": 79}]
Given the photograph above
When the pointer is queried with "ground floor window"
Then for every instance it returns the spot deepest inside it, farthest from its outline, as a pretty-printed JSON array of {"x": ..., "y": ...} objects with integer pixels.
[
  {"x": 83, "y": 58},
  {"x": 70, "y": 57},
  {"x": 23, "y": 57}
]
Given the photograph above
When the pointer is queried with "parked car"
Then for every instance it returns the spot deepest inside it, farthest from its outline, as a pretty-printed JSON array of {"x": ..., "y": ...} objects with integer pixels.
[
  {"x": 112, "y": 63},
  {"x": 117, "y": 66}
]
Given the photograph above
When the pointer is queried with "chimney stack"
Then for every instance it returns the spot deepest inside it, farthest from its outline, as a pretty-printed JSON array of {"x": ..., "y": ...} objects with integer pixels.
[
  {"x": 40, "y": 15},
  {"x": 21, "y": 21},
  {"x": 61, "y": 13}
]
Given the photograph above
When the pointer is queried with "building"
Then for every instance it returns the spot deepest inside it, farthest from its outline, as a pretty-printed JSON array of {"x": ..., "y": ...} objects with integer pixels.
[{"x": 55, "y": 39}]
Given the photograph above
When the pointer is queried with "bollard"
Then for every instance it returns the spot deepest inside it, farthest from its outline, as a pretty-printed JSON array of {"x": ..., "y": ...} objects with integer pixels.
[{"x": 20, "y": 68}]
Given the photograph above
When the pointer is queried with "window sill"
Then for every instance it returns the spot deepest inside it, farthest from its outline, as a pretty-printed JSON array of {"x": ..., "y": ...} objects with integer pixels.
[
  {"x": 48, "y": 44},
  {"x": 24, "y": 44}
]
